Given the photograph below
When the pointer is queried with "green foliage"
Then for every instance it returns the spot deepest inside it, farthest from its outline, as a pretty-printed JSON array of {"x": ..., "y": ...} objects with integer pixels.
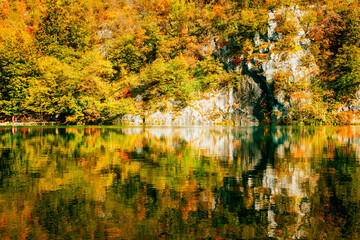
[
  {"x": 112, "y": 110},
  {"x": 347, "y": 65},
  {"x": 74, "y": 91},
  {"x": 286, "y": 25},
  {"x": 240, "y": 26},
  {"x": 49, "y": 61},
  {"x": 126, "y": 57},
  {"x": 165, "y": 80},
  {"x": 207, "y": 72},
  {"x": 17, "y": 70},
  {"x": 63, "y": 25},
  {"x": 55, "y": 91}
]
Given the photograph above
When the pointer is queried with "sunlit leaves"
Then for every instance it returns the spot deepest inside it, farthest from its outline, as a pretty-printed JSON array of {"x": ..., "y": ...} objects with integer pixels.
[
  {"x": 167, "y": 80},
  {"x": 126, "y": 56},
  {"x": 139, "y": 38},
  {"x": 63, "y": 24},
  {"x": 17, "y": 69}
]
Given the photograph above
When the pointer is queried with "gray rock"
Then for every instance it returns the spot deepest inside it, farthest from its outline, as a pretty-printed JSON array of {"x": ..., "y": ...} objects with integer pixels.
[
  {"x": 246, "y": 104},
  {"x": 285, "y": 66},
  {"x": 132, "y": 119}
]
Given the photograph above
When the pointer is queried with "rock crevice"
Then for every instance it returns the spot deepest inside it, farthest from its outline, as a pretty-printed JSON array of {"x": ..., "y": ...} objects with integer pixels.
[{"x": 274, "y": 81}]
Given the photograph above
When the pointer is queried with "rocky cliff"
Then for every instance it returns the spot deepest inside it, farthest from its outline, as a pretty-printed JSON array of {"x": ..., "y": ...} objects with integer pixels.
[
  {"x": 273, "y": 84},
  {"x": 284, "y": 62},
  {"x": 226, "y": 106}
]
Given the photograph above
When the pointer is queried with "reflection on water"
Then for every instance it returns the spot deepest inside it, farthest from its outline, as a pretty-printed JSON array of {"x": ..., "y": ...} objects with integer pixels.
[{"x": 180, "y": 183}]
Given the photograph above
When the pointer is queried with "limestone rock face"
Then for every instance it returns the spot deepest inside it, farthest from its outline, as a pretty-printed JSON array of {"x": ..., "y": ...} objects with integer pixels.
[
  {"x": 281, "y": 64},
  {"x": 285, "y": 63},
  {"x": 349, "y": 111},
  {"x": 276, "y": 75},
  {"x": 226, "y": 106},
  {"x": 132, "y": 119}
]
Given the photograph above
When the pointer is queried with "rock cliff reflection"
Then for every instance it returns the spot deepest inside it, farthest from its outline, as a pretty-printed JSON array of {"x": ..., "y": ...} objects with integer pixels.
[{"x": 180, "y": 183}]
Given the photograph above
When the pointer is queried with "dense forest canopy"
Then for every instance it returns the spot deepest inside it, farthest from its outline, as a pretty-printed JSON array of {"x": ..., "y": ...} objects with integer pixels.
[{"x": 86, "y": 61}]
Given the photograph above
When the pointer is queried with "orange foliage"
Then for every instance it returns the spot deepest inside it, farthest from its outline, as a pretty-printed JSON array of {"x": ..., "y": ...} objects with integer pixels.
[
  {"x": 139, "y": 104},
  {"x": 345, "y": 118},
  {"x": 163, "y": 7},
  {"x": 3, "y": 222},
  {"x": 218, "y": 9},
  {"x": 22, "y": 8},
  {"x": 5, "y": 9},
  {"x": 299, "y": 95},
  {"x": 29, "y": 29}
]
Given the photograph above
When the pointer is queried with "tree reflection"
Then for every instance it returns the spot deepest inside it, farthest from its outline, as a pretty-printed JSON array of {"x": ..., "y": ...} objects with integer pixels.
[{"x": 173, "y": 183}]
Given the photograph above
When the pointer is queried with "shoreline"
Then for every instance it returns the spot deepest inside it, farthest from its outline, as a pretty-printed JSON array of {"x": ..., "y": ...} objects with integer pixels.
[
  {"x": 8, "y": 124},
  {"x": 58, "y": 124}
]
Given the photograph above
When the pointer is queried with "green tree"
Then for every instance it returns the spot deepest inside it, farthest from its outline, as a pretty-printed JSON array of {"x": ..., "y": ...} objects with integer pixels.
[
  {"x": 63, "y": 24},
  {"x": 17, "y": 69},
  {"x": 347, "y": 65}
]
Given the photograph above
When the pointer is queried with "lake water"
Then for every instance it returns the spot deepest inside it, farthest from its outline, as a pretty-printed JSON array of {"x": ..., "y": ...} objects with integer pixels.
[{"x": 180, "y": 183}]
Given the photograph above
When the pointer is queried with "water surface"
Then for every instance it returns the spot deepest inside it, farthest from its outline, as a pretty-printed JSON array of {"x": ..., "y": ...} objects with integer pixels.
[{"x": 180, "y": 183}]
